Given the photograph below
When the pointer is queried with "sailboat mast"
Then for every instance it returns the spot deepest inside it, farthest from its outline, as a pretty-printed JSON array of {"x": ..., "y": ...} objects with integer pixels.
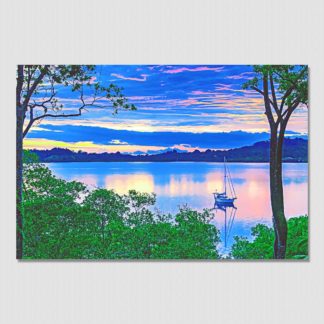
[
  {"x": 224, "y": 176},
  {"x": 225, "y": 227}
]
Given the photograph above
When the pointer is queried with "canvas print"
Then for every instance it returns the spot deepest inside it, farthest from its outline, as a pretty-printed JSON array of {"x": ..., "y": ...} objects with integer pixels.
[{"x": 162, "y": 162}]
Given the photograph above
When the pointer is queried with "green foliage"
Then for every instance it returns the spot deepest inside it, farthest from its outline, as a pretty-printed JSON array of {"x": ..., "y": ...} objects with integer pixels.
[
  {"x": 29, "y": 157},
  {"x": 291, "y": 80},
  {"x": 297, "y": 247},
  {"x": 139, "y": 203},
  {"x": 63, "y": 220},
  {"x": 260, "y": 248},
  {"x": 262, "y": 245}
]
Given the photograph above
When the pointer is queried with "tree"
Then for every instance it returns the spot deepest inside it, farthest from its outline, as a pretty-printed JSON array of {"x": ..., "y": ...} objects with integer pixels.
[
  {"x": 284, "y": 88},
  {"x": 37, "y": 97},
  {"x": 64, "y": 220},
  {"x": 107, "y": 206},
  {"x": 261, "y": 247}
]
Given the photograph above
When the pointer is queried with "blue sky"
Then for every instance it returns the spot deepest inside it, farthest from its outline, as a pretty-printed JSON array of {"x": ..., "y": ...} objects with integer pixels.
[{"x": 181, "y": 107}]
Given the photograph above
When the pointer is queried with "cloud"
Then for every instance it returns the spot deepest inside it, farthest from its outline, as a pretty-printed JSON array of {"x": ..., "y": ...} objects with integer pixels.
[
  {"x": 92, "y": 80},
  {"x": 117, "y": 138},
  {"x": 244, "y": 75},
  {"x": 197, "y": 102},
  {"x": 43, "y": 129},
  {"x": 119, "y": 76},
  {"x": 215, "y": 125},
  {"x": 193, "y": 69},
  {"x": 117, "y": 142},
  {"x": 199, "y": 92},
  {"x": 86, "y": 146}
]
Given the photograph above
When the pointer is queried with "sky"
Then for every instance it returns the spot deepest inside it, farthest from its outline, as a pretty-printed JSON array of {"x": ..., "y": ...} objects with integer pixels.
[{"x": 183, "y": 107}]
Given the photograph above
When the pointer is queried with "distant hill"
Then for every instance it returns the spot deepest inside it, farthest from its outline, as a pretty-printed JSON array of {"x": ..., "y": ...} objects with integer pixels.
[{"x": 295, "y": 150}]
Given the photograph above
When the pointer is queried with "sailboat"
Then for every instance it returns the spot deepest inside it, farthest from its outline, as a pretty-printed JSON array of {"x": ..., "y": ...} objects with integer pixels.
[{"x": 228, "y": 195}]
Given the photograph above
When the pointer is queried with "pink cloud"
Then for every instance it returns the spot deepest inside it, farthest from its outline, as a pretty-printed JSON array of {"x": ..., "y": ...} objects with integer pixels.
[
  {"x": 244, "y": 75},
  {"x": 92, "y": 80},
  {"x": 119, "y": 76},
  {"x": 194, "y": 69},
  {"x": 143, "y": 98},
  {"x": 198, "y": 93}
]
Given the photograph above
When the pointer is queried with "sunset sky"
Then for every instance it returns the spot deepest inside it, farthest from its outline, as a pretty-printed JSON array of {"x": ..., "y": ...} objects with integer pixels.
[{"x": 178, "y": 107}]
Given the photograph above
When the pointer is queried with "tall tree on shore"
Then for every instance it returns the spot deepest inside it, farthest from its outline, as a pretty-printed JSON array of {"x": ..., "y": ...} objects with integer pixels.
[
  {"x": 284, "y": 88},
  {"x": 37, "y": 97}
]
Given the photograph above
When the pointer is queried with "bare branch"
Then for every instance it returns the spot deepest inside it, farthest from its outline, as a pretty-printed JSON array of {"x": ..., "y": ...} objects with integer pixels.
[
  {"x": 257, "y": 90},
  {"x": 285, "y": 96},
  {"x": 34, "y": 85},
  {"x": 262, "y": 93},
  {"x": 290, "y": 109},
  {"x": 284, "y": 123},
  {"x": 60, "y": 115},
  {"x": 45, "y": 101},
  {"x": 30, "y": 123}
]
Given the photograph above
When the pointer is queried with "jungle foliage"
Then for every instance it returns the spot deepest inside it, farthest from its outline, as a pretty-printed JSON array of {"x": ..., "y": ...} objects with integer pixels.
[
  {"x": 64, "y": 220},
  {"x": 262, "y": 245}
]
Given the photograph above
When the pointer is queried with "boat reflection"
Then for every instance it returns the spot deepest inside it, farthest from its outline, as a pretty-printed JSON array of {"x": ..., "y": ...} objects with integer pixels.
[{"x": 229, "y": 211}]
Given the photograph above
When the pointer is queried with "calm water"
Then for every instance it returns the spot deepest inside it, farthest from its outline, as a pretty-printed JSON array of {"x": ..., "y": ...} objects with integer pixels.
[{"x": 193, "y": 183}]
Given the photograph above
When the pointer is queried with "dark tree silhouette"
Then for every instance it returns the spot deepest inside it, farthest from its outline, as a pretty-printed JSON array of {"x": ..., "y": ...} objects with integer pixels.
[
  {"x": 284, "y": 88},
  {"x": 37, "y": 97}
]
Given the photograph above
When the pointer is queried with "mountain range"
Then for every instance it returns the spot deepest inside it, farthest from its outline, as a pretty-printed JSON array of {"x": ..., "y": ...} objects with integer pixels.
[{"x": 294, "y": 150}]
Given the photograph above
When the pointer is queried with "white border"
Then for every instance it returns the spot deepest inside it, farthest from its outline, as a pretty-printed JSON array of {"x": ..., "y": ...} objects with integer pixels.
[{"x": 147, "y": 32}]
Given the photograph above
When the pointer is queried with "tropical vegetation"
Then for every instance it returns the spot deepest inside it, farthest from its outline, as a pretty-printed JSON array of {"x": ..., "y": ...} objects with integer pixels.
[
  {"x": 65, "y": 220},
  {"x": 261, "y": 247}
]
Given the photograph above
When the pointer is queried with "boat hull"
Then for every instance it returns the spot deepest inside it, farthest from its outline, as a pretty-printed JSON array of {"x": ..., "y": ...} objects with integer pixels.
[
  {"x": 221, "y": 199},
  {"x": 225, "y": 200}
]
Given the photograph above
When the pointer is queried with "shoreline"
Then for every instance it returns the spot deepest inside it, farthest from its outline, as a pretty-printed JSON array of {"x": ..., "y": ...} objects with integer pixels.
[{"x": 283, "y": 162}]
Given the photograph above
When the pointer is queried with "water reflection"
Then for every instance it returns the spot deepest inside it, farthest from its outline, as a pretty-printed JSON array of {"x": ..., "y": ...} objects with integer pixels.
[
  {"x": 229, "y": 213},
  {"x": 123, "y": 182}
]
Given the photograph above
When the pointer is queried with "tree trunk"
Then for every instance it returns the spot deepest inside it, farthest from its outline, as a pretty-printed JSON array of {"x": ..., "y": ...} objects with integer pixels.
[
  {"x": 277, "y": 201},
  {"x": 19, "y": 183}
]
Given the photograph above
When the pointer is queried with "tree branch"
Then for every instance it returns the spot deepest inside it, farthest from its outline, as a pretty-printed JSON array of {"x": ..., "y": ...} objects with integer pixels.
[
  {"x": 20, "y": 82},
  {"x": 58, "y": 116},
  {"x": 290, "y": 109},
  {"x": 262, "y": 93},
  {"x": 283, "y": 125},
  {"x": 30, "y": 124},
  {"x": 257, "y": 90},
  {"x": 34, "y": 85},
  {"x": 274, "y": 98},
  {"x": 45, "y": 101},
  {"x": 285, "y": 96},
  {"x": 32, "y": 119},
  {"x": 267, "y": 102}
]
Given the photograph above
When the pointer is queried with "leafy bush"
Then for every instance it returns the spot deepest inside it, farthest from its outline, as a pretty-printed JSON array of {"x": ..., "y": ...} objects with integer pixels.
[
  {"x": 63, "y": 220},
  {"x": 262, "y": 245}
]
